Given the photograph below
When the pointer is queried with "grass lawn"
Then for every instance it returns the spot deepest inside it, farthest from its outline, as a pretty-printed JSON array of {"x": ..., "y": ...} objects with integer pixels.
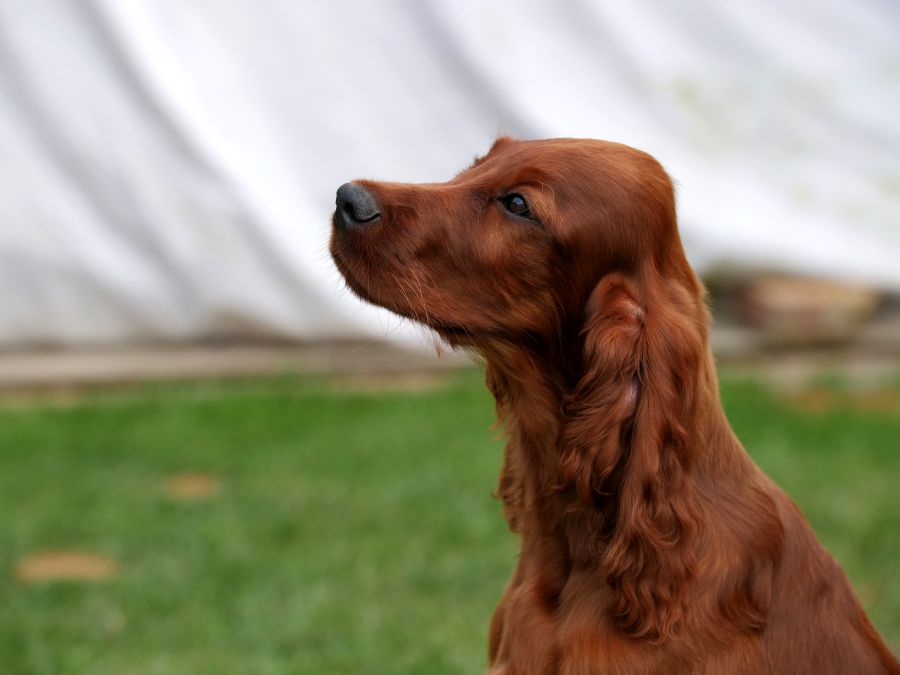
[{"x": 350, "y": 532}]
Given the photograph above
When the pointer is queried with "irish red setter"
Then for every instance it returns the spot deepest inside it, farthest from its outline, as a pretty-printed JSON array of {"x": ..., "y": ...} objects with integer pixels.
[{"x": 650, "y": 541}]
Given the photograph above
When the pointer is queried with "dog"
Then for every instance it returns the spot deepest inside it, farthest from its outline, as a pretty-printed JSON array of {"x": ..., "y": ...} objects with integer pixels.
[{"x": 650, "y": 541}]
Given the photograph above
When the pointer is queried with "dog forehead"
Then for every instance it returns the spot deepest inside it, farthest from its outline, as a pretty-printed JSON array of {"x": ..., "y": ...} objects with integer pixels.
[
  {"x": 510, "y": 162},
  {"x": 560, "y": 160}
]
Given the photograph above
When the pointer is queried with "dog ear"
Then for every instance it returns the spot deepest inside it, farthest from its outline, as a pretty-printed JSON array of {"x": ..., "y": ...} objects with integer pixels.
[{"x": 628, "y": 442}]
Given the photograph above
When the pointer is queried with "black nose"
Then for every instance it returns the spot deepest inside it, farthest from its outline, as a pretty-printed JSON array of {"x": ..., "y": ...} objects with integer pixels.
[{"x": 356, "y": 208}]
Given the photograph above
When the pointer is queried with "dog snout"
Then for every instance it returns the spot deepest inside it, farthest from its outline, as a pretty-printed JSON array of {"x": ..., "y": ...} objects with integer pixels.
[{"x": 356, "y": 208}]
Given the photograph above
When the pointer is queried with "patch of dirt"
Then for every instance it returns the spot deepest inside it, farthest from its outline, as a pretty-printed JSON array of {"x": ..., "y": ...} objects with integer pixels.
[
  {"x": 390, "y": 382},
  {"x": 821, "y": 400},
  {"x": 192, "y": 486},
  {"x": 65, "y": 566},
  {"x": 813, "y": 400},
  {"x": 880, "y": 400}
]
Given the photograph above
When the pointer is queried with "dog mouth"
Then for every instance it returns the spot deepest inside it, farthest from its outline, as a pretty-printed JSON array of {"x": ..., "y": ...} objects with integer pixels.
[
  {"x": 453, "y": 333},
  {"x": 372, "y": 293}
]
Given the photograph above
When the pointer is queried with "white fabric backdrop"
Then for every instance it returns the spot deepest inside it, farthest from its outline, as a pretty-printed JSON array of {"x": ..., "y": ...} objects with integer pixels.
[{"x": 167, "y": 168}]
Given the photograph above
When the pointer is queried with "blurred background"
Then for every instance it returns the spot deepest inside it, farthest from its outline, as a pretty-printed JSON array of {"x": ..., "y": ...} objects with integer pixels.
[{"x": 214, "y": 459}]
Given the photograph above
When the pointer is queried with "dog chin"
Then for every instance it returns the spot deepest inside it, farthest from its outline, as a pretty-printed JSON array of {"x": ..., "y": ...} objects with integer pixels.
[{"x": 353, "y": 283}]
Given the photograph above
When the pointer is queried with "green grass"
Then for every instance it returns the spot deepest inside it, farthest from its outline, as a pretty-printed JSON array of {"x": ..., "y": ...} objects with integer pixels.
[{"x": 354, "y": 532}]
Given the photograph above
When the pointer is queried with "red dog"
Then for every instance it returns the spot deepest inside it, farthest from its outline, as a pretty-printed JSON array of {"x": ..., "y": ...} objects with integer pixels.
[{"x": 651, "y": 542}]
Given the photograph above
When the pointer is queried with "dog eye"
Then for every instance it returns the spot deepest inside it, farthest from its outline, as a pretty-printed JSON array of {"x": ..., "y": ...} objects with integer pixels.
[{"x": 516, "y": 204}]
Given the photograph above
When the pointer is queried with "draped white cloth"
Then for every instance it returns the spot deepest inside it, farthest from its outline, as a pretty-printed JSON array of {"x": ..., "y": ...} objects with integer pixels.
[{"x": 167, "y": 168}]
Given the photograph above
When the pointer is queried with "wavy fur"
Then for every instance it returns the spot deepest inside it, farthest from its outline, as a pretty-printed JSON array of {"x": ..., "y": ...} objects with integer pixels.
[{"x": 650, "y": 541}]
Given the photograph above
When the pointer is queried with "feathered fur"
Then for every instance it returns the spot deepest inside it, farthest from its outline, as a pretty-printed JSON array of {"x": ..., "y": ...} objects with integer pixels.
[{"x": 651, "y": 543}]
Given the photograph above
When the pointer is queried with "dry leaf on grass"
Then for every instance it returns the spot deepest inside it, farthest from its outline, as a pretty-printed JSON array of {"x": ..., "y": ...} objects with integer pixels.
[
  {"x": 192, "y": 486},
  {"x": 65, "y": 566}
]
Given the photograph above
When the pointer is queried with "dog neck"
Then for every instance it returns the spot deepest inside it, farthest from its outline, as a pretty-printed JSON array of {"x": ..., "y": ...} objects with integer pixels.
[{"x": 529, "y": 391}]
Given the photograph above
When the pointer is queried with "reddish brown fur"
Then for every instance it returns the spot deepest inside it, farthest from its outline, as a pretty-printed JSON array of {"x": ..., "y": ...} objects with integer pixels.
[{"x": 651, "y": 543}]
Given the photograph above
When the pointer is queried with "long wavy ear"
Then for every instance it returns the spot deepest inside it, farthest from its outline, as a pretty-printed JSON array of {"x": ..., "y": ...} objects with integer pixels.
[{"x": 629, "y": 439}]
